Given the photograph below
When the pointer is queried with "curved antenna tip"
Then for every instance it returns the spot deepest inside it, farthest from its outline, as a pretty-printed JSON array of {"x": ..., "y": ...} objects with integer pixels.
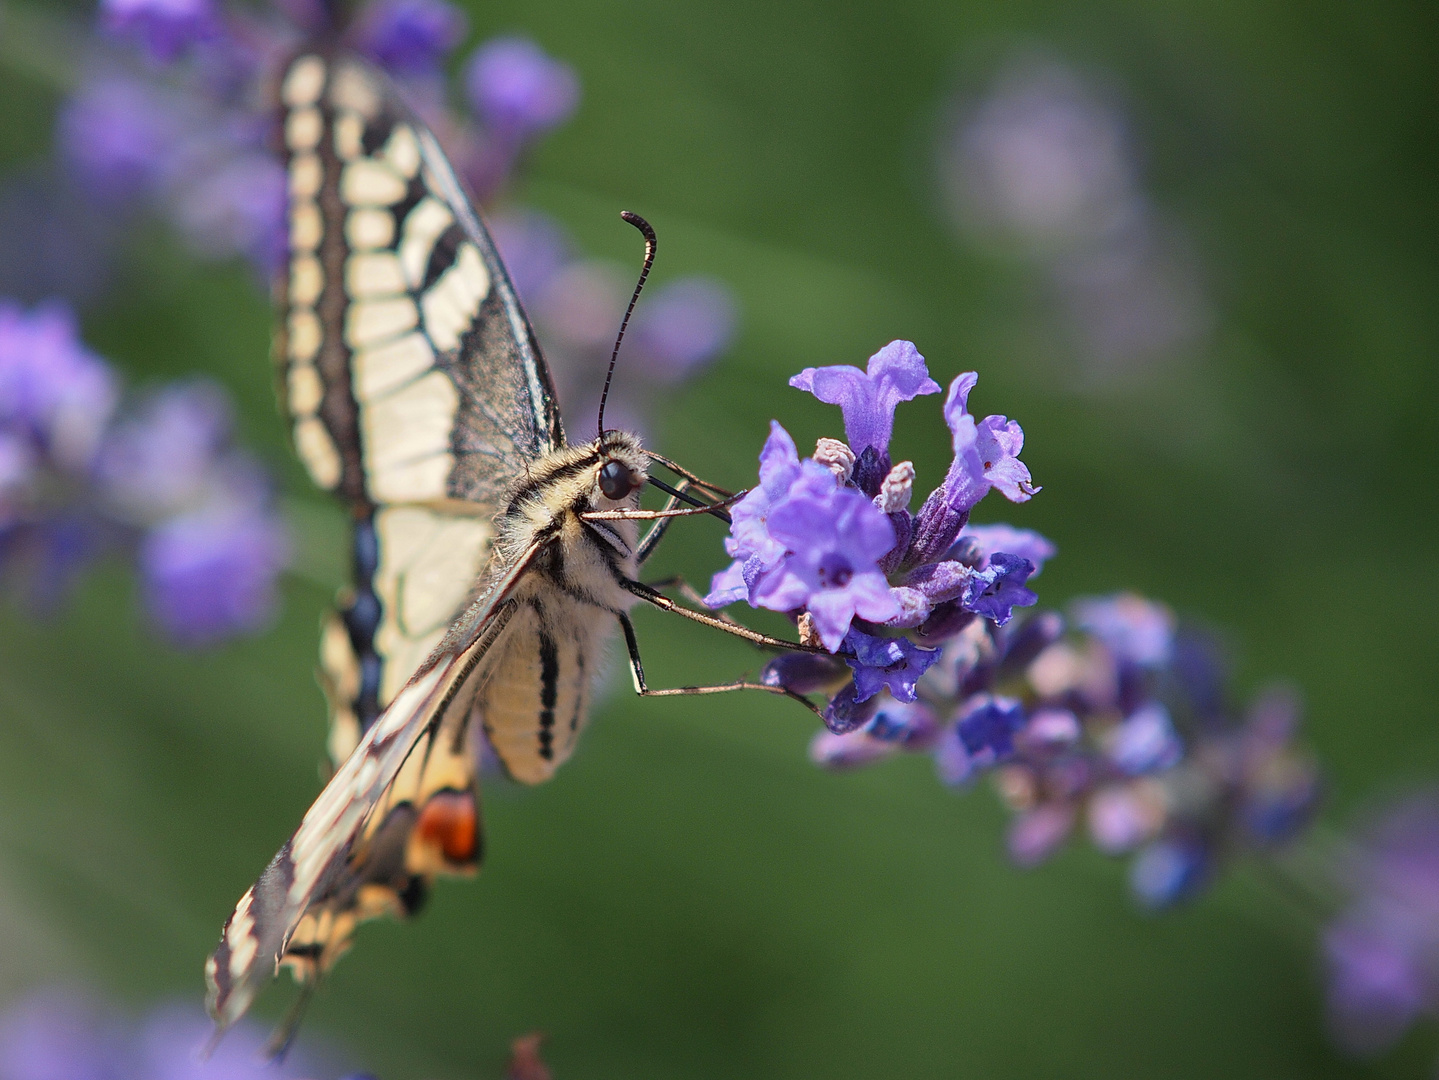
[{"x": 651, "y": 243}]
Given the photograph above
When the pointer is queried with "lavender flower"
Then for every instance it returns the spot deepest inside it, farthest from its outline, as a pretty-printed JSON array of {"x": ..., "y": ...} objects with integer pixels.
[
  {"x": 683, "y": 326},
  {"x": 53, "y": 390},
  {"x": 867, "y": 399},
  {"x": 165, "y": 28},
  {"x": 1382, "y": 952},
  {"x": 518, "y": 89},
  {"x": 410, "y": 37}
]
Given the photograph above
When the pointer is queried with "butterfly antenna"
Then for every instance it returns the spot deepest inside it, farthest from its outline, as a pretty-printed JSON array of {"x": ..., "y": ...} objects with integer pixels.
[{"x": 650, "y": 242}]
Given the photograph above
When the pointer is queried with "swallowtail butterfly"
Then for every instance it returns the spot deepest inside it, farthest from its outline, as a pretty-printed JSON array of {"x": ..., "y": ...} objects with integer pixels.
[{"x": 491, "y": 558}]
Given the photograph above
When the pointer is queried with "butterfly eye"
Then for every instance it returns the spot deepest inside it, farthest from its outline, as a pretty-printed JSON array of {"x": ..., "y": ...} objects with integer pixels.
[{"x": 617, "y": 481}]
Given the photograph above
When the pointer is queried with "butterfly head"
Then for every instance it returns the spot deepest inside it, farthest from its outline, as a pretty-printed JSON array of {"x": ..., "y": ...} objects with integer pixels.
[{"x": 621, "y": 470}]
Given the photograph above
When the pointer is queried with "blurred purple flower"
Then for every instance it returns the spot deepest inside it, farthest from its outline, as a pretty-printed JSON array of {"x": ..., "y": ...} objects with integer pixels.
[
  {"x": 211, "y": 573},
  {"x": 56, "y": 1036},
  {"x": 1036, "y": 834},
  {"x": 684, "y": 326},
  {"x": 159, "y": 459},
  {"x": 518, "y": 89},
  {"x": 1135, "y": 630},
  {"x": 1145, "y": 741},
  {"x": 117, "y": 133},
  {"x": 868, "y": 398},
  {"x": 164, "y": 28},
  {"x": 1167, "y": 872},
  {"x": 894, "y": 664},
  {"x": 987, "y": 726},
  {"x": 1383, "y": 951},
  {"x": 237, "y": 207},
  {"x": 410, "y": 37},
  {"x": 534, "y": 246},
  {"x": 51, "y": 386}
]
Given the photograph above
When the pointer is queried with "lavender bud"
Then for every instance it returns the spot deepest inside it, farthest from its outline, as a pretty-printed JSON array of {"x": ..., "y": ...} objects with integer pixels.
[{"x": 804, "y": 673}]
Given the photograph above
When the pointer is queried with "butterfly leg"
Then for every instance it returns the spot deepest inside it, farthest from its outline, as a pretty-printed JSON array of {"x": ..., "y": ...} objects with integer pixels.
[
  {"x": 690, "y": 593},
  {"x": 653, "y": 596},
  {"x": 637, "y": 672}
]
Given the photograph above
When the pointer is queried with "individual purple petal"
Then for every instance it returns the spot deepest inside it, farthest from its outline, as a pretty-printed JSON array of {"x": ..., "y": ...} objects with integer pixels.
[
  {"x": 518, "y": 89},
  {"x": 212, "y": 573},
  {"x": 893, "y": 664},
  {"x": 1167, "y": 872},
  {"x": 410, "y": 37},
  {"x": 1135, "y": 630},
  {"x": 683, "y": 326},
  {"x": 805, "y": 673},
  {"x": 165, "y": 28},
  {"x": 910, "y": 725},
  {"x": 1123, "y": 816},
  {"x": 998, "y": 442},
  {"x": 1145, "y": 741},
  {"x": 987, "y": 726},
  {"x": 755, "y": 551},
  {"x": 848, "y": 751},
  {"x": 987, "y": 540},
  {"x": 868, "y": 398},
  {"x": 996, "y": 591}
]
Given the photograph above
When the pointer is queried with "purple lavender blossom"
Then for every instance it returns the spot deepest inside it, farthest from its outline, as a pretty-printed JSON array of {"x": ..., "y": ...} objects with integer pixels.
[
  {"x": 683, "y": 326},
  {"x": 868, "y": 398},
  {"x": 1145, "y": 741},
  {"x": 210, "y": 574},
  {"x": 977, "y": 543},
  {"x": 1137, "y": 631},
  {"x": 1383, "y": 951},
  {"x": 51, "y": 386},
  {"x": 834, "y": 540},
  {"x": 116, "y": 133},
  {"x": 534, "y": 246},
  {"x": 894, "y": 664},
  {"x": 1168, "y": 871},
  {"x": 236, "y": 207},
  {"x": 997, "y": 590},
  {"x": 164, "y": 28},
  {"x": 58, "y": 1036},
  {"x": 410, "y": 37},
  {"x": 518, "y": 89},
  {"x": 159, "y": 459}
]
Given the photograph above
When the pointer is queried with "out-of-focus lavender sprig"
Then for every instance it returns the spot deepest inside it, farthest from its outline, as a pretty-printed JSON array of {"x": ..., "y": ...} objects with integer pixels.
[
  {"x": 1043, "y": 164},
  {"x": 59, "y": 1035},
  {"x": 681, "y": 326},
  {"x": 1382, "y": 951},
  {"x": 188, "y": 136},
  {"x": 159, "y": 481},
  {"x": 1115, "y": 717}
]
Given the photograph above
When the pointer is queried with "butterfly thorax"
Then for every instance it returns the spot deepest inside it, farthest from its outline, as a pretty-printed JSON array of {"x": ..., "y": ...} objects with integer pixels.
[{"x": 535, "y": 696}]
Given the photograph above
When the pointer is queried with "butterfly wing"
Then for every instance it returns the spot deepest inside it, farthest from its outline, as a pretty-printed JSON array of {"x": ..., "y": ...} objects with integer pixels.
[
  {"x": 416, "y": 394},
  {"x": 319, "y": 875}
]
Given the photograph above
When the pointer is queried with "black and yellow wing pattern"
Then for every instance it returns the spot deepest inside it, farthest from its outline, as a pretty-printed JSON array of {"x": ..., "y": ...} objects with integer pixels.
[{"x": 417, "y": 395}]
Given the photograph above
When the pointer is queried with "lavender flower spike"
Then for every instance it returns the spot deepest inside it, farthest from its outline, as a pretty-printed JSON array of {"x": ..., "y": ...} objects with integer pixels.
[
  {"x": 518, "y": 89},
  {"x": 165, "y": 28},
  {"x": 868, "y": 398},
  {"x": 411, "y": 37}
]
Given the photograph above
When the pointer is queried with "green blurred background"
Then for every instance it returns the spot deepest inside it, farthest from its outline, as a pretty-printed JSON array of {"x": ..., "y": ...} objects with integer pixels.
[{"x": 690, "y": 898}]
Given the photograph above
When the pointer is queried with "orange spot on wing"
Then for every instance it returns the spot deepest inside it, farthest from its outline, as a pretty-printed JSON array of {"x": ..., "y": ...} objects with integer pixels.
[{"x": 448, "y": 823}]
